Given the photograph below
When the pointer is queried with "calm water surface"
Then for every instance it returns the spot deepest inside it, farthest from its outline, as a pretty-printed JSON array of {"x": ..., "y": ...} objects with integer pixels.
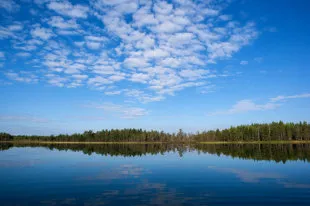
[{"x": 155, "y": 175}]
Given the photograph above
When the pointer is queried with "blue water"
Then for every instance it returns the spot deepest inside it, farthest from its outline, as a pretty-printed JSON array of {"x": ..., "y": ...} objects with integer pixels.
[{"x": 40, "y": 176}]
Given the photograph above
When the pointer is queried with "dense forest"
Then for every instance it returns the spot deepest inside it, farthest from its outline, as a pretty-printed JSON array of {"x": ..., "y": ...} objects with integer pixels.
[
  {"x": 275, "y": 131},
  {"x": 274, "y": 152}
]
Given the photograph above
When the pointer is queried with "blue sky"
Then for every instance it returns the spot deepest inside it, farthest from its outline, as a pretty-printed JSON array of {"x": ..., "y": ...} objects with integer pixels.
[{"x": 70, "y": 66}]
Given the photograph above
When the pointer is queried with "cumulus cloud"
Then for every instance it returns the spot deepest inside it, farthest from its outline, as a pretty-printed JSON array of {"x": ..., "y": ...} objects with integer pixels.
[
  {"x": 225, "y": 17},
  {"x": 112, "y": 92},
  {"x": 67, "y": 9},
  {"x": 93, "y": 45},
  {"x": 6, "y": 33},
  {"x": 16, "y": 27},
  {"x": 159, "y": 47},
  {"x": 142, "y": 96},
  {"x": 9, "y": 5},
  {"x": 2, "y": 58},
  {"x": 139, "y": 77},
  {"x": 57, "y": 80},
  {"x": 99, "y": 81},
  {"x": 41, "y": 32},
  {"x": 23, "y": 54},
  {"x": 61, "y": 23},
  {"x": 22, "y": 76},
  {"x": 193, "y": 74}
]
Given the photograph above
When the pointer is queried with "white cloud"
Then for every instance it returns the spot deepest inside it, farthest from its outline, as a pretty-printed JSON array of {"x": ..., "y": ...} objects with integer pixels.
[
  {"x": 144, "y": 17},
  {"x": 2, "y": 57},
  {"x": 33, "y": 12},
  {"x": 93, "y": 45},
  {"x": 246, "y": 105},
  {"x": 94, "y": 42},
  {"x": 167, "y": 27},
  {"x": 210, "y": 12},
  {"x": 6, "y": 33},
  {"x": 142, "y": 96},
  {"x": 244, "y": 62},
  {"x": 79, "y": 43},
  {"x": 95, "y": 38},
  {"x": 67, "y": 9},
  {"x": 57, "y": 80},
  {"x": 68, "y": 32},
  {"x": 181, "y": 38},
  {"x": 60, "y": 23},
  {"x": 146, "y": 43},
  {"x": 171, "y": 44},
  {"x": 22, "y": 76},
  {"x": 40, "y": 2},
  {"x": 225, "y": 17},
  {"x": 239, "y": 38},
  {"x": 42, "y": 33},
  {"x": 258, "y": 59},
  {"x": 282, "y": 98},
  {"x": 163, "y": 7},
  {"x": 207, "y": 89},
  {"x": 159, "y": 47},
  {"x": 117, "y": 76},
  {"x": 23, "y": 54},
  {"x": 9, "y": 5},
  {"x": 121, "y": 110},
  {"x": 80, "y": 76},
  {"x": 156, "y": 53},
  {"x": 140, "y": 77},
  {"x": 136, "y": 62},
  {"x": 171, "y": 62},
  {"x": 15, "y": 27},
  {"x": 112, "y": 92},
  {"x": 98, "y": 81},
  {"x": 193, "y": 74},
  {"x": 23, "y": 118}
]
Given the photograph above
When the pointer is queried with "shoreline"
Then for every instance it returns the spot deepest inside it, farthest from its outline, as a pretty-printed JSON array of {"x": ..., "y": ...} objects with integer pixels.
[{"x": 215, "y": 142}]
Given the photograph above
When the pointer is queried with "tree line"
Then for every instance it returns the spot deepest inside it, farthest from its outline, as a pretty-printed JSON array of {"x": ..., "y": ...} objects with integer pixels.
[{"x": 275, "y": 131}]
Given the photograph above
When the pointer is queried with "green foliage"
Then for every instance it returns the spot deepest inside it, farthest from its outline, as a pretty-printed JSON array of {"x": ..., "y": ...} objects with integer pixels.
[
  {"x": 5, "y": 137},
  {"x": 275, "y": 131}
]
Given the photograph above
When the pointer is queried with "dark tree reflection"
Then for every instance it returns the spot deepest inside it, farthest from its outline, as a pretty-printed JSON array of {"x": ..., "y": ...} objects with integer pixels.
[{"x": 275, "y": 152}]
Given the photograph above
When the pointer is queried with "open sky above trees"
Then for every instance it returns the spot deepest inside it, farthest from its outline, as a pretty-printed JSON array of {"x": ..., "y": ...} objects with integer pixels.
[{"x": 70, "y": 66}]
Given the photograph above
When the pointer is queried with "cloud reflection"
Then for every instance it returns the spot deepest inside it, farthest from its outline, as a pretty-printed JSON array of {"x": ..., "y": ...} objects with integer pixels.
[
  {"x": 256, "y": 177},
  {"x": 121, "y": 172},
  {"x": 16, "y": 163},
  {"x": 247, "y": 176}
]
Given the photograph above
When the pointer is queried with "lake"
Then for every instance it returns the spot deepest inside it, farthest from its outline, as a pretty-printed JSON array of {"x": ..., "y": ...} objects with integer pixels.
[{"x": 155, "y": 174}]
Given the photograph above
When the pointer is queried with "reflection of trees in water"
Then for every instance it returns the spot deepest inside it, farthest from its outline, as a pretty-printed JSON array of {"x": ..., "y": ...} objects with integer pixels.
[
  {"x": 5, "y": 146},
  {"x": 276, "y": 152},
  {"x": 110, "y": 149}
]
